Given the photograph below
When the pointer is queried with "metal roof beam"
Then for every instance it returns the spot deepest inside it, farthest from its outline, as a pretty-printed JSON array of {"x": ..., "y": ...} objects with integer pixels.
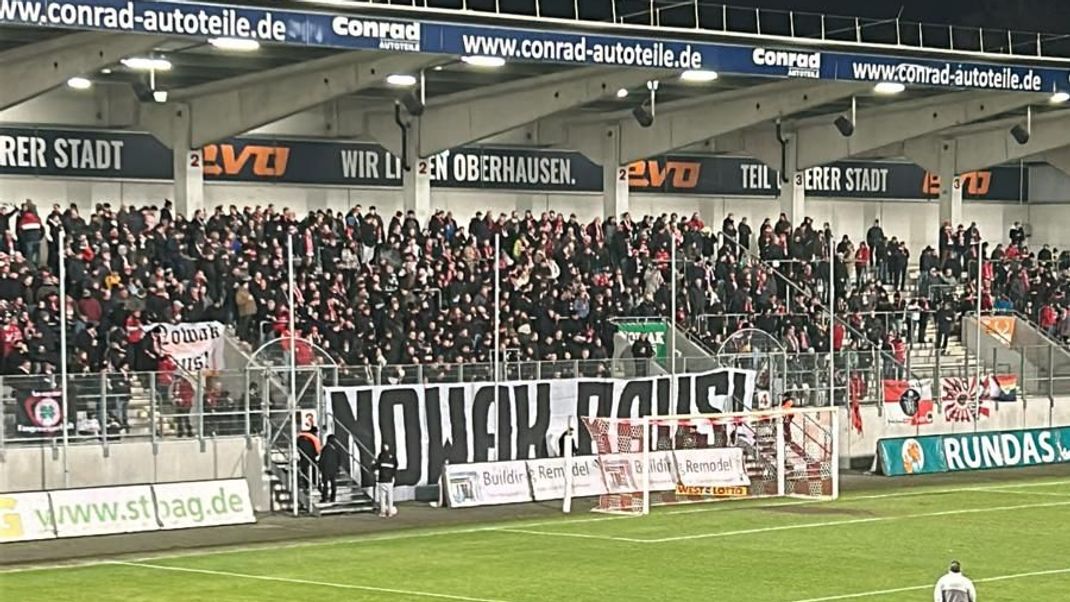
[
  {"x": 682, "y": 124},
  {"x": 994, "y": 146},
  {"x": 821, "y": 143},
  {"x": 230, "y": 107},
  {"x": 30, "y": 70},
  {"x": 467, "y": 118}
]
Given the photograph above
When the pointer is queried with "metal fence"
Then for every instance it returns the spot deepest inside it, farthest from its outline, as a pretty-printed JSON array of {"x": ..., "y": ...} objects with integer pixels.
[{"x": 113, "y": 406}]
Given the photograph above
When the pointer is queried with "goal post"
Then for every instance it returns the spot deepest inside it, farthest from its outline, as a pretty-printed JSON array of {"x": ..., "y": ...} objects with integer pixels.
[{"x": 653, "y": 461}]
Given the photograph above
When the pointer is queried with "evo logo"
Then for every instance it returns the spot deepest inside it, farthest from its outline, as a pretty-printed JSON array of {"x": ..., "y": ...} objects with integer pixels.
[
  {"x": 798, "y": 64},
  {"x": 392, "y": 35}
]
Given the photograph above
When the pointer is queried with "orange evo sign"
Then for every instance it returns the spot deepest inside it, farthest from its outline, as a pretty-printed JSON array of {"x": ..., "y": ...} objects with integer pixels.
[
  {"x": 245, "y": 161},
  {"x": 974, "y": 183},
  {"x": 664, "y": 174}
]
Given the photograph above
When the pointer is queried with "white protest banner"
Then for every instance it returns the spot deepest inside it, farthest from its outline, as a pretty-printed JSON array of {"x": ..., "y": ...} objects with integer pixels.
[
  {"x": 487, "y": 483},
  {"x": 203, "y": 504},
  {"x": 25, "y": 517},
  {"x": 465, "y": 423},
  {"x": 194, "y": 346},
  {"x": 103, "y": 510}
]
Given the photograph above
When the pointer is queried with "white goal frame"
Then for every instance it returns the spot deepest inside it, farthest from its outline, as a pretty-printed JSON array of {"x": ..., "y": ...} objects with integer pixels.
[{"x": 805, "y": 456}]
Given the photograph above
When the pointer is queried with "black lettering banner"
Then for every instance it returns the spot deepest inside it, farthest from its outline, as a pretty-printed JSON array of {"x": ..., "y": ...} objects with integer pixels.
[
  {"x": 464, "y": 423},
  {"x": 139, "y": 156}
]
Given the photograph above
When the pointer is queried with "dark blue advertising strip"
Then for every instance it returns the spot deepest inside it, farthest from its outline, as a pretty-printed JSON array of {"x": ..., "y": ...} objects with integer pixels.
[
  {"x": 139, "y": 156},
  {"x": 321, "y": 29}
]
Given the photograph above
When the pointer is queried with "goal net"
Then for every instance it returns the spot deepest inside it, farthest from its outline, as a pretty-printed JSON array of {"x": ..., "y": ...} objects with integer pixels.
[{"x": 701, "y": 458}]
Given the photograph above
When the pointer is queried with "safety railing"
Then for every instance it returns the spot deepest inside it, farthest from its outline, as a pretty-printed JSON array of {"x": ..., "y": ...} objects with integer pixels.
[
  {"x": 107, "y": 408},
  {"x": 749, "y": 22}
]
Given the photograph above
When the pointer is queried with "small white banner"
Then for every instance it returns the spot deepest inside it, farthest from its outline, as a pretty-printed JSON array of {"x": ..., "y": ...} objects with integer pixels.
[
  {"x": 194, "y": 346},
  {"x": 487, "y": 483},
  {"x": 25, "y": 517}
]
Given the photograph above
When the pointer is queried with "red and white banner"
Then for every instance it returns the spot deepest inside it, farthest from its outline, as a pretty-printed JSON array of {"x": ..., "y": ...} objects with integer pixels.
[
  {"x": 194, "y": 346},
  {"x": 908, "y": 402}
]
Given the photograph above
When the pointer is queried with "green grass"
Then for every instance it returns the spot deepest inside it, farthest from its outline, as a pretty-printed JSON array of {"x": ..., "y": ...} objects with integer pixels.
[{"x": 1012, "y": 538}]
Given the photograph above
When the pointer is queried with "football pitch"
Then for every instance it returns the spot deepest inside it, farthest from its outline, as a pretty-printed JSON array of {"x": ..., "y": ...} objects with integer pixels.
[{"x": 1011, "y": 537}]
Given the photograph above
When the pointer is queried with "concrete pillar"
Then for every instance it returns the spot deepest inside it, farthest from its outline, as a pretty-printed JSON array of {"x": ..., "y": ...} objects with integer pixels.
[
  {"x": 615, "y": 191},
  {"x": 416, "y": 182},
  {"x": 950, "y": 186},
  {"x": 793, "y": 190},
  {"x": 188, "y": 168}
]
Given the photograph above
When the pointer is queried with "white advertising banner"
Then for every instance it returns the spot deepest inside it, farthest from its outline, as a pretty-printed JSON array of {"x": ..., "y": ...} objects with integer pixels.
[
  {"x": 129, "y": 509},
  {"x": 431, "y": 425},
  {"x": 722, "y": 467},
  {"x": 487, "y": 483},
  {"x": 203, "y": 504},
  {"x": 519, "y": 481},
  {"x": 25, "y": 517},
  {"x": 195, "y": 346},
  {"x": 103, "y": 510},
  {"x": 548, "y": 478}
]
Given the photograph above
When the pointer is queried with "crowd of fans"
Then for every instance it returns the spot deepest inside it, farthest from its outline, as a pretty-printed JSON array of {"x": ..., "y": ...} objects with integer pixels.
[{"x": 385, "y": 291}]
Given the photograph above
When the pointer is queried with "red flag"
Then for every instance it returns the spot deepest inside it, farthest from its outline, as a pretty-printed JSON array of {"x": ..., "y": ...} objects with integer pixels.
[{"x": 856, "y": 389}]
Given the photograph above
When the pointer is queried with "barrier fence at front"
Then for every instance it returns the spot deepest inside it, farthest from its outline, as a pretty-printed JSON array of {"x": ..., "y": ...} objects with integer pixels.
[{"x": 107, "y": 407}]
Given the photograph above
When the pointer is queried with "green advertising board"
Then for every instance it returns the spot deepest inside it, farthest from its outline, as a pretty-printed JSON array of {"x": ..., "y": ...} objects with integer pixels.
[
  {"x": 658, "y": 332},
  {"x": 956, "y": 452}
]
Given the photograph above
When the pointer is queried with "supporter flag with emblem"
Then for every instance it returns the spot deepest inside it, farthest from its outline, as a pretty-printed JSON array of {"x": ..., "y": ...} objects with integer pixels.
[
  {"x": 963, "y": 401},
  {"x": 908, "y": 402},
  {"x": 39, "y": 412}
]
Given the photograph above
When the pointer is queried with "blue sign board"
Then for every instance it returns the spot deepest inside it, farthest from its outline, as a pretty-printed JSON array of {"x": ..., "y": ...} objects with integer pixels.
[
  {"x": 350, "y": 31},
  {"x": 956, "y": 452}
]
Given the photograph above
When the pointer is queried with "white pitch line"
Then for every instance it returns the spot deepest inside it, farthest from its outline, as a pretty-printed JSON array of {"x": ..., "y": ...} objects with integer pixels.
[
  {"x": 874, "y": 519},
  {"x": 1017, "y": 492},
  {"x": 577, "y": 535},
  {"x": 419, "y": 534},
  {"x": 883, "y": 592},
  {"x": 365, "y": 588}
]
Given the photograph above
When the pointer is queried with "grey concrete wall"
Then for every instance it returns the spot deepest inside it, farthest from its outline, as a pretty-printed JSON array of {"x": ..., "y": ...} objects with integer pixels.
[{"x": 133, "y": 462}]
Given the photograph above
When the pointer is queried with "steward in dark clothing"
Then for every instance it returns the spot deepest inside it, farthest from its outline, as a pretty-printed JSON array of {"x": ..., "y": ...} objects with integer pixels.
[{"x": 329, "y": 463}]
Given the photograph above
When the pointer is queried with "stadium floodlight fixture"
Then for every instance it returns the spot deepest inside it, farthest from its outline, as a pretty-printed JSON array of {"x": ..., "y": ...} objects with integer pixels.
[
  {"x": 140, "y": 63},
  {"x": 106, "y": 71},
  {"x": 698, "y": 76},
  {"x": 1060, "y": 97},
  {"x": 401, "y": 80},
  {"x": 622, "y": 93},
  {"x": 889, "y": 88},
  {"x": 159, "y": 96},
  {"x": 235, "y": 44},
  {"x": 79, "y": 83},
  {"x": 487, "y": 62}
]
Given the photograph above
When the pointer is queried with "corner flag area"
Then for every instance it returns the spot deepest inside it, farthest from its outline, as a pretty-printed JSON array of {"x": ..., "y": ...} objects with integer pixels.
[{"x": 885, "y": 546}]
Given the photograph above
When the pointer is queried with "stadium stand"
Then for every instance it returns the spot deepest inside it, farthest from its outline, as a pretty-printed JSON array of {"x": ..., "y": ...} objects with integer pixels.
[{"x": 382, "y": 292}]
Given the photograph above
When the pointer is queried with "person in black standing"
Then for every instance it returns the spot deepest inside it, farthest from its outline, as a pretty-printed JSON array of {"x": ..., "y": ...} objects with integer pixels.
[
  {"x": 330, "y": 461},
  {"x": 642, "y": 351},
  {"x": 945, "y": 316},
  {"x": 386, "y": 466},
  {"x": 744, "y": 233},
  {"x": 875, "y": 240}
]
